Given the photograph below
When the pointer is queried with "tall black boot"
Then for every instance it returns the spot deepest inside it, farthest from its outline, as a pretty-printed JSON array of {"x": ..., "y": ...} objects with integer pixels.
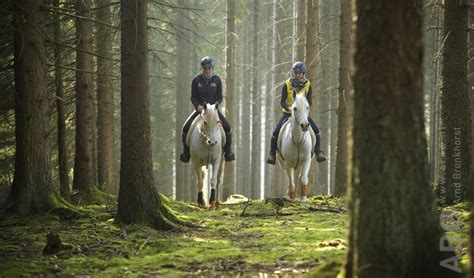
[
  {"x": 318, "y": 143},
  {"x": 273, "y": 147},
  {"x": 320, "y": 156},
  {"x": 228, "y": 154},
  {"x": 186, "y": 155}
]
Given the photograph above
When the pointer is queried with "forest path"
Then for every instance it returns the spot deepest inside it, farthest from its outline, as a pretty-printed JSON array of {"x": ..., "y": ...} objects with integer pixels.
[{"x": 260, "y": 243}]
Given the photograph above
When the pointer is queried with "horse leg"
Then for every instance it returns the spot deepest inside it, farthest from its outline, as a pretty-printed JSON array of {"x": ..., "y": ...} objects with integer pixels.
[
  {"x": 215, "y": 170},
  {"x": 220, "y": 180},
  {"x": 291, "y": 184},
  {"x": 304, "y": 181},
  {"x": 199, "y": 176}
]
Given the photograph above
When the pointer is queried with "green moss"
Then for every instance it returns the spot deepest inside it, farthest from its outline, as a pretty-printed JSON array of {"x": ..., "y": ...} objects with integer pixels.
[
  {"x": 92, "y": 196},
  {"x": 329, "y": 269},
  {"x": 260, "y": 243}
]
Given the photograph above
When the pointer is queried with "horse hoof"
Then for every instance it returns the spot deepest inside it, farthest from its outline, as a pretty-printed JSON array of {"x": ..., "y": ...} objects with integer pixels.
[
  {"x": 213, "y": 205},
  {"x": 292, "y": 195},
  {"x": 303, "y": 199},
  {"x": 200, "y": 201},
  {"x": 304, "y": 191}
]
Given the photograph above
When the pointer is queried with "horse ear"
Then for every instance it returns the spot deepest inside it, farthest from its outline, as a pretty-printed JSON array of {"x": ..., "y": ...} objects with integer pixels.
[
  {"x": 294, "y": 95},
  {"x": 205, "y": 105},
  {"x": 217, "y": 105}
]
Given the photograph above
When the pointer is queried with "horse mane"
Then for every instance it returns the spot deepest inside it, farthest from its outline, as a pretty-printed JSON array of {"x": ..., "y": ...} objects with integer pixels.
[
  {"x": 299, "y": 100},
  {"x": 212, "y": 108}
]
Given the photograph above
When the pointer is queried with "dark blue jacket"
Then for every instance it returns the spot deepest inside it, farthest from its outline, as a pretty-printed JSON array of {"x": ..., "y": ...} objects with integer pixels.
[{"x": 206, "y": 90}]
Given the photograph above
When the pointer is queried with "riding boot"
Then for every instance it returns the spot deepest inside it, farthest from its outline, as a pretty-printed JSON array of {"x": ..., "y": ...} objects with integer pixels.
[
  {"x": 228, "y": 154},
  {"x": 186, "y": 155},
  {"x": 273, "y": 147},
  {"x": 318, "y": 143},
  {"x": 320, "y": 156}
]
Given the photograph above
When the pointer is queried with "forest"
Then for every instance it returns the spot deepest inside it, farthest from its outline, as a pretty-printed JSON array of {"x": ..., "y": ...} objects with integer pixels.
[{"x": 237, "y": 138}]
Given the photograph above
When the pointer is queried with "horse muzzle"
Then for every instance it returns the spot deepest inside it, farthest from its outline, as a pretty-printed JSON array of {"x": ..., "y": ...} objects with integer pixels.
[
  {"x": 211, "y": 143},
  {"x": 304, "y": 127}
]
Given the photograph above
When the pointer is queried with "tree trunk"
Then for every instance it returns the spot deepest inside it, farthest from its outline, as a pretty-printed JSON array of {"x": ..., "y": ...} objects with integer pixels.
[
  {"x": 278, "y": 182},
  {"x": 239, "y": 73},
  {"x": 64, "y": 188},
  {"x": 229, "y": 175},
  {"x": 32, "y": 182},
  {"x": 271, "y": 171},
  {"x": 333, "y": 97},
  {"x": 84, "y": 178},
  {"x": 455, "y": 181},
  {"x": 433, "y": 45},
  {"x": 343, "y": 151},
  {"x": 245, "y": 156},
  {"x": 300, "y": 30},
  {"x": 138, "y": 200},
  {"x": 105, "y": 101},
  {"x": 312, "y": 30},
  {"x": 183, "y": 106},
  {"x": 350, "y": 193},
  {"x": 270, "y": 83},
  {"x": 471, "y": 94},
  {"x": 324, "y": 96},
  {"x": 390, "y": 176},
  {"x": 256, "y": 105}
]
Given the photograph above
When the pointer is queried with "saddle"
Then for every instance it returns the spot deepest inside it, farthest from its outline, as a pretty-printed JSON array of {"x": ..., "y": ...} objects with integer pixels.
[
  {"x": 283, "y": 130},
  {"x": 193, "y": 126}
]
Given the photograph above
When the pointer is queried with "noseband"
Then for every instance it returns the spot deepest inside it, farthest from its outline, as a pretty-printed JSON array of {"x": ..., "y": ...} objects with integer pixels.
[{"x": 202, "y": 133}]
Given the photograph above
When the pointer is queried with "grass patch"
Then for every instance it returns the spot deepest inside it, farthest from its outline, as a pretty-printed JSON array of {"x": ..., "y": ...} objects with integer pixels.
[{"x": 294, "y": 242}]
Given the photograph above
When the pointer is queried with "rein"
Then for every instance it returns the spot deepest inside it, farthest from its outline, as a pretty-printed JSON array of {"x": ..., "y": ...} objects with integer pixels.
[
  {"x": 298, "y": 145},
  {"x": 204, "y": 137}
]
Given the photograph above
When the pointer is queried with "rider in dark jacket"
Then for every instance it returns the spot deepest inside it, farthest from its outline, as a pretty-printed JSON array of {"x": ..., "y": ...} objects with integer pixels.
[
  {"x": 297, "y": 84},
  {"x": 207, "y": 88}
]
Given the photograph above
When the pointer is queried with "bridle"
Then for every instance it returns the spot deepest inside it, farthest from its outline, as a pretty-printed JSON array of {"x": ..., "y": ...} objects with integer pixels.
[
  {"x": 202, "y": 132},
  {"x": 297, "y": 144}
]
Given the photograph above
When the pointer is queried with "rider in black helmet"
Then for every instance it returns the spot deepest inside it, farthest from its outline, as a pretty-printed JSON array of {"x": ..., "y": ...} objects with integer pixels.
[
  {"x": 207, "y": 88},
  {"x": 299, "y": 85}
]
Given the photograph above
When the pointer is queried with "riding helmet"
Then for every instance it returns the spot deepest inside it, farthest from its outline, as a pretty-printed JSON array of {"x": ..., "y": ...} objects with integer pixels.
[
  {"x": 299, "y": 66},
  {"x": 207, "y": 61}
]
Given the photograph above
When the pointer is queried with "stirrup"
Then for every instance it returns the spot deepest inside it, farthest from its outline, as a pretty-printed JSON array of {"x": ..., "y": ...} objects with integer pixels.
[
  {"x": 271, "y": 159},
  {"x": 184, "y": 157},
  {"x": 229, "y": 157},
  {"x": 320, "y": 156}
]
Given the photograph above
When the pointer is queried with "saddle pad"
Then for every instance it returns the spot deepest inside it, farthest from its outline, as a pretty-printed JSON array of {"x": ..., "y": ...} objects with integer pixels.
[
  {"x": 280, "y": 135},
  {"x": 191, "y": 128}
]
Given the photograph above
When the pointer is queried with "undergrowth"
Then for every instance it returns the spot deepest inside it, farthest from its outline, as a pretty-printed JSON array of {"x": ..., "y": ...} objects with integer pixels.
[{"x": 291, "y": 239}]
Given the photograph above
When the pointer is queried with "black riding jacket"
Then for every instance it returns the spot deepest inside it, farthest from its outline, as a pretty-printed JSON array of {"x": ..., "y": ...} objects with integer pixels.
[{"x": 206, "y": 90}]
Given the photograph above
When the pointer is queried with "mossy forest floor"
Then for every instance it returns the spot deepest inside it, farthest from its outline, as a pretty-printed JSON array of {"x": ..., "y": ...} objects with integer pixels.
[{"x": 300, "y": 239}]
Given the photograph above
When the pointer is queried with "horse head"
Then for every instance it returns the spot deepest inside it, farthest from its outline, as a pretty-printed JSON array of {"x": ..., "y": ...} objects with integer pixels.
[
  {"x": 210, "y": 130},
  {"x": 300, "y": 111}
]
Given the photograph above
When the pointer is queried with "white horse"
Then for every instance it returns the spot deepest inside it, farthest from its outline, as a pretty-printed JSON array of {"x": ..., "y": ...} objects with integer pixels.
[
  {"x": 205, "y": 143},
  {"x": 295, "y": 144}
]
